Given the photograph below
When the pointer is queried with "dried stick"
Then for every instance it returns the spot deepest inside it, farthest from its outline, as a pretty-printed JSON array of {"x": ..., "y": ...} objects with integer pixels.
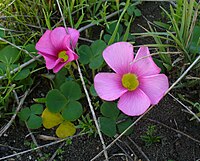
[
  {"x": 22, "y": 66},
  {"x": 139, "y": 148},
  {"x": 190, "y": 111},
  {"x": 3, "y": 129},
  {"x": 34, "y": 140},
  {"x": 39, "y": 147},
  {"x": 140, "y": 117},
  {"x": 55, "y": 153},
  {"x": 178, "y": 131},
  {"x": 124, "y": 151},
  {"x": 4, "y": 40}
]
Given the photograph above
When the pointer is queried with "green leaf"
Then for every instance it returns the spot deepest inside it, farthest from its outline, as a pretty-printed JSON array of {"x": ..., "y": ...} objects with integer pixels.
[
  {"x": 112, "y": 26},
  {"x": 137, "y": 12},
  {"x": 36, "y": 109},
  {"x": 194, "y": 46},
  {"x": 34, "y": 122},
  {"x": 108, "y": 126},
  {"x": 39, "y": 100},
  {"x": 24, "y": 114},
  {"x": 30, "y": 48},
  {"x": 85, "y": 53},
  {"x": 2, "y": 33},
  {"x": 96, "y": 62},
  {"x": 60, "y": 78},
  {"x": 22, "y": 74},
  {"x": 2, "y": 68},
  {"x": 92, "y": 90},
  {"x": 72, "y": 111},
  {"x": 109, "y": 109},
  {"x": 97, "y": 47},
  {"x": 124, "y": 125},
  {"x": 55, "y": 101},
  {"x": 71, "y": 90},
  {"x": 9, "y": 54}
]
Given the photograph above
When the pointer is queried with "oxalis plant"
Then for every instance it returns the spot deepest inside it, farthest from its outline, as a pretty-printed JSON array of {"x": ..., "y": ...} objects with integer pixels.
[
  {"x": 136, "y": 81},
  {"x": 133, "y": 84}
]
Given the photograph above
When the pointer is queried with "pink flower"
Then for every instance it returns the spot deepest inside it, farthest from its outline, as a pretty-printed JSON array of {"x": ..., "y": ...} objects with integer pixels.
[
  {"x": 137, "y": 84},
  {"x": 56, "y": 47}
]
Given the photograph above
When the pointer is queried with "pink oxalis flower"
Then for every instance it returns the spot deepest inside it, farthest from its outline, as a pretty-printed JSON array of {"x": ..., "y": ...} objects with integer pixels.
[
  {"x": 137, "y": 84},
  {"x": 56, "y": 46}
]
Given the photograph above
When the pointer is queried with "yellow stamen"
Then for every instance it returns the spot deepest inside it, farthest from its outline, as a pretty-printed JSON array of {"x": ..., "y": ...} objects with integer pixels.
[
  {"x": 63, "y": 55},
  {"x": 130, "y": 81}
]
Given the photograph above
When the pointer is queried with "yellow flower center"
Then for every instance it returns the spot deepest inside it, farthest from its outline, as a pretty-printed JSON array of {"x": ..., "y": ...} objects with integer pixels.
[
  {"x": 63, "y": 55},
  {"x": 130, "y": 81}
]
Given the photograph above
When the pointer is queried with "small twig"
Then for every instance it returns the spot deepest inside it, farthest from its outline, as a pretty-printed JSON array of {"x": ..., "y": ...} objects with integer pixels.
[
  {"x": 4, "y": 40},
  {"x": 47, "y": 138},
  {"x": 8, "y": 6},
  {"x": 139, "y": 148},
  {"x": 190, "y": 111},
  {"x": 153, "y": 54},
  {"x": 86, "y": 92},
  {"x": 54, "y": 155},
  {"x": 10, "y": 147},
  {"x": 3, "y": 129},
  {"x": 178, "y": 131},
  {"x": 124, "y": 151},
  {"x": 39, "y": 147},
  {"x": 133, "y": 153},
  {"x": 34, "y": 140},
  {"x": 141, "y": 116},
  {"x": 15, "y": 95},
  {"x": 22, "y": 66},
  {"x": 85, "y": 39}
]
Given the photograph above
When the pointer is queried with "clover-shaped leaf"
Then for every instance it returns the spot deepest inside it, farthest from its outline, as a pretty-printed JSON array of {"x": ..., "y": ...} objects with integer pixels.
[
  {"x": 92, "y": 55},
  {"x": 109, "y": 109},
  {"x": 124, "y": 125},
  {"x": 72, "y": 111},
  {"x": 107, "y": 126},
  {"x": 55, "y": 101},
  {"x": 30, "y": 115},
  {"x": 51, "y": 120},
  {"x": 71, "y": 90}
]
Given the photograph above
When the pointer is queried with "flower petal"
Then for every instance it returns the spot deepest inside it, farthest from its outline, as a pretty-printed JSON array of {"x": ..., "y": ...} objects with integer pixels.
[
  {"x": 108, "y": 86},
  {"x": 144, "y": 65},
  {"x": 134, "y": 103},
  {"x": 57, "y": 37},
  {"x": 50, "y": 62},
  {"x": 72, "y": 56},
  {"x": 154, "y": 86},
  {"x": 74, "y": 36},
  {"x": 118, "y": 56},
  {"x": 44, "y": 45}
]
